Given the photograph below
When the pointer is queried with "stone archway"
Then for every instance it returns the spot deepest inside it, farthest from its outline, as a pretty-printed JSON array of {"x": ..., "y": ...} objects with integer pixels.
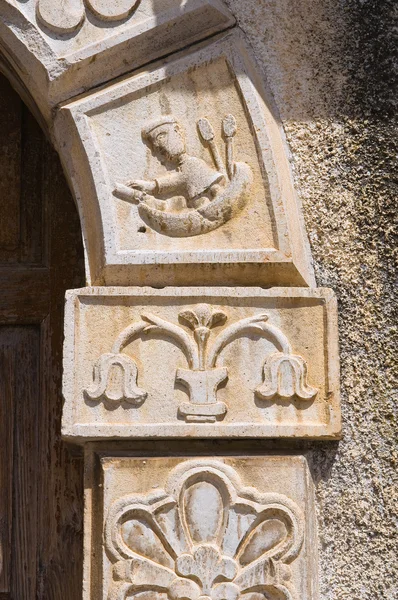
[{"x": 174, "y": 150}]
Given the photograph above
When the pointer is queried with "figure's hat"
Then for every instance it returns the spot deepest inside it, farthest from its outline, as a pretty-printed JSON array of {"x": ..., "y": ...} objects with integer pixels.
[{"x": 155, "y": 123}]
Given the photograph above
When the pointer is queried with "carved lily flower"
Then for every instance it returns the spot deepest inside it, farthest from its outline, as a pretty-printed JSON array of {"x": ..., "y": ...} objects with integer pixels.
[
  {"x": 285, "y": 376},
  {"x": 115, "y": 380},
  {"x": 202, "y": 319},
  {"x": 203, "y": 537},
  {"x": 203, "y": 315}
]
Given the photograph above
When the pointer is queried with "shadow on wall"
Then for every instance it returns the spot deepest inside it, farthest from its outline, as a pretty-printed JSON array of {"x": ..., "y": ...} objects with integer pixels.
[{"x": 324, "y": 59}]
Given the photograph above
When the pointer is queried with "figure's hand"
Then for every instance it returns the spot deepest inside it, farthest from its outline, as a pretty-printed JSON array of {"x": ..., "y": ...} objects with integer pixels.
[{"x": 144, "y": 186}]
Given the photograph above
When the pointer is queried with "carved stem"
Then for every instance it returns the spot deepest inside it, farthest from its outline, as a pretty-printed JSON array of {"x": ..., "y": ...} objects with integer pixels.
[
  {"x": 254, "y": 324},
  {"x": 186, "y": 343},
  {"x": 201, "y": 335},
  {"x": 127, "y": 336}
]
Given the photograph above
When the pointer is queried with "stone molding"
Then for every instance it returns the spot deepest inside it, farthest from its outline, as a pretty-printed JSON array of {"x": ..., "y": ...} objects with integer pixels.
[
  {"x": 200, "y": 362},
  {"x": 63, "y": 48}
]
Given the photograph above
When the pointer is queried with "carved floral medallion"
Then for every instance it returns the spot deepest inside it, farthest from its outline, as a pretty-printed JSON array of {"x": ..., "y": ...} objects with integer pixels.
[{"x": 204, "y": 536}]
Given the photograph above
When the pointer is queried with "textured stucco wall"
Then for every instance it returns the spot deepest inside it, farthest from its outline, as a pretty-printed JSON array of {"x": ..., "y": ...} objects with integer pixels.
[{"x": 330, "y": 67}]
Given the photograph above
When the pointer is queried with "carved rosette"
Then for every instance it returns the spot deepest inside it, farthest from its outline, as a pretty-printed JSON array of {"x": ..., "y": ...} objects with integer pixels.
[{"x": 203, "y": 536}]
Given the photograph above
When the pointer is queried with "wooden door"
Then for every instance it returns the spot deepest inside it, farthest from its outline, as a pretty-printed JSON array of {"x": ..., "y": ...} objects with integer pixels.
[{"x": 41, "y": 488}]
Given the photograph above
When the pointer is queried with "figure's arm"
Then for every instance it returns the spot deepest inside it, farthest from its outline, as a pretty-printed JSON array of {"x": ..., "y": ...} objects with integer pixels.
[
  {"x": 126, "y": 193},
  {"x": 145, "y": 186},
  {"x": 171, "y": 183}
]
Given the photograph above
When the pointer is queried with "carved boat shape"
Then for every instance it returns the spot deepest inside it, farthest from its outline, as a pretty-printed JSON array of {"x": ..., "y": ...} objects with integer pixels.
[{"x": 190, "y": 222}]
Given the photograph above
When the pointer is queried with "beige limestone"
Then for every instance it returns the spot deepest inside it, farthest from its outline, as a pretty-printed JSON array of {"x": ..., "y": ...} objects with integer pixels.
[
  {"x": 184, "y": 170},
  {"x": 185, "y": 528},
  {"x": 200, "y": 362},
  {"x": 60, "y": 48}
]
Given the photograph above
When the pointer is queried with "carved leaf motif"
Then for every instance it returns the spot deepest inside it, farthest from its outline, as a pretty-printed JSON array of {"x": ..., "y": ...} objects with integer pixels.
[
  {"x": 114, "y": 10},
  {"x": 61, "y": 15}
]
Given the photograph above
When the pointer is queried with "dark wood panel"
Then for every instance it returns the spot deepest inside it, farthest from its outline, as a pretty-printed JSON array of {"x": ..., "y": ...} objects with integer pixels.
[
  {"x": 8, "y": 368},
  {"x": 45, "y": 519},
  {"x": 33, "y": 212},
  {"x": 61, "y": 485},
  {"x": 22, "y": 176},
  {"x": 26, "y": 399},
  {"x": 10, "y": 175},
  {"x": 24, "y": 295}
]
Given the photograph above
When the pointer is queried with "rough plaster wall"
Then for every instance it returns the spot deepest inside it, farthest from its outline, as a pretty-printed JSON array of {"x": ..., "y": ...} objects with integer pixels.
[{"x": 329, "y": 64}]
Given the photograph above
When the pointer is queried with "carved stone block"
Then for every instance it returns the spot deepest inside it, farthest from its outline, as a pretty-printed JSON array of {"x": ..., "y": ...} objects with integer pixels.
[
  {"x": 182, "y": 175},
  {"x": 221, "y": 528},
  {"x": 200, "y": 362},
  {"x": 70, "y": 46}
]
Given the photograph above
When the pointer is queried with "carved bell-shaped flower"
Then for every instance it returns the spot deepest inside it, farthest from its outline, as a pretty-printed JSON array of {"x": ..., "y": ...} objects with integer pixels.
[
  {"x": 115, "y": 380},
  {"x": 285, "y": 377}
]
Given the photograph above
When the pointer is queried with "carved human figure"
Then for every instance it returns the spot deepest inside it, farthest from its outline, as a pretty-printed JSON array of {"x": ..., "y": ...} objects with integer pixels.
[{"x": 191, "y": 178}]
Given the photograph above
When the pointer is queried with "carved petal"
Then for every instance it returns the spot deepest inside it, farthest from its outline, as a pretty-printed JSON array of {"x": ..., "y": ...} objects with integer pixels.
[
  {"x": 190, "y": 317},
  {"x": 270, "y": 592},
  {"x": 138, "y": 535},
  {"x": 61, "y": 15},
  {"x": 264, "y": 538},
  {"x": 225, "y": 591},
  {"x": 206, "y": 566},
  {"x": 169, "y": 521},
  {"x": 203, "y": 511},
  {"x": 240, "y": 519},
  {"x": 184, "y": 589},
  {"x": 147, "y": 595},
  {"x": 114, "y": 10},
  {"x": 218, "y": 317},
  {"x": 144, "y": 573},
  {"x": 285, "y": 376}
]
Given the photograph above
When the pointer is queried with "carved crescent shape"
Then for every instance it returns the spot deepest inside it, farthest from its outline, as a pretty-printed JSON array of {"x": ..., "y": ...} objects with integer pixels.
[
  {"x": 195, "y": 222},
  {"x": 65, "y": 16},
  {"x": 113, "y": 11}
]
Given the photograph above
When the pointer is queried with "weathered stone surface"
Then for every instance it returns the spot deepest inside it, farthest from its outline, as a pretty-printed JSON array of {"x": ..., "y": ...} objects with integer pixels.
[
  {"x": 329, "y": 66},
  {"x": 199, "y": 527},
  {"x": 182, "y": 176},
  {"x": 200, "y": 362},
  {"x": 61, "y": 48}
]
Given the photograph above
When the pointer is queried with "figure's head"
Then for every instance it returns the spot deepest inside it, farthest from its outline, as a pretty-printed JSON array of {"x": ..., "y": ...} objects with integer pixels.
[{"x": 165, "y": 137}]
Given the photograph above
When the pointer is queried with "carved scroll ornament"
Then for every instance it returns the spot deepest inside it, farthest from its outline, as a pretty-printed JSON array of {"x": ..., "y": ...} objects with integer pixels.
[
  {"x": 204, "y": 536},
  {"x": 285, "y": 374}
]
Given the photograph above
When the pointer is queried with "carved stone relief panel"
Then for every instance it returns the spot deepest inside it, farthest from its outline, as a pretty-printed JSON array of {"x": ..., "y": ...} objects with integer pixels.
[
  {"x": 73, "y": 45},
  {"x": 200, "y": 362},
  {"x": 182, "y": 175},
  {"x": 219, "y": 528}
]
